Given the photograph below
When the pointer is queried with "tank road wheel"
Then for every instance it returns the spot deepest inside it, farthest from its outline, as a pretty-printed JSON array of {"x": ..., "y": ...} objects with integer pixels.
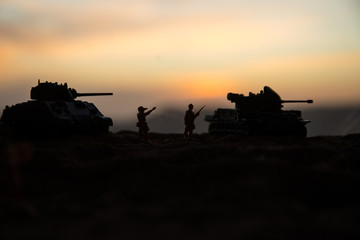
[
  {"x": 212, "y": 128},
  {"x": 220, "y": 129},
  {"x": 102, "y": 129},
  {"x": 302, "y": 131},
  {"x": 243, "y": 129},
  {"x": 217, "y": 129}
]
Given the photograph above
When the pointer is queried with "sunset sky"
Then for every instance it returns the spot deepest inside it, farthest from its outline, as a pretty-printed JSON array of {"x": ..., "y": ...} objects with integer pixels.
[{"x": 178, "y": 51}]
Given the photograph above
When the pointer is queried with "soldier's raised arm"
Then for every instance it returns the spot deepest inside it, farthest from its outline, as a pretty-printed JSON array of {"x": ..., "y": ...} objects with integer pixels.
[{"x": 148, "y": 112}]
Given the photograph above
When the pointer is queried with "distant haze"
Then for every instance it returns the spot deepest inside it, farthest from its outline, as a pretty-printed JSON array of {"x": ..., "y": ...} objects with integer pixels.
[{"x": 324, "y": 121}]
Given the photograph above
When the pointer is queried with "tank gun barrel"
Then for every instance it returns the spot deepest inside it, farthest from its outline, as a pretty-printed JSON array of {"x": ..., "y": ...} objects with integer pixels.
[
  {"x": 297, "y": 101},
  {"x": 92, "y": 94},
  {"x": 234, "y": 96},
  {"x": 75, "y": 94}
]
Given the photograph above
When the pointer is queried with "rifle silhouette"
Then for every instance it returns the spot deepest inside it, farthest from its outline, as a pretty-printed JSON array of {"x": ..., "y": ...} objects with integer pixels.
[{"x": 198, "y": 112}]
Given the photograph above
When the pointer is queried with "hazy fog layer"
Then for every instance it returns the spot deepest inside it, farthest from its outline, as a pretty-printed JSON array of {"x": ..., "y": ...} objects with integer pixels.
[{"x": 324, "y": 121}]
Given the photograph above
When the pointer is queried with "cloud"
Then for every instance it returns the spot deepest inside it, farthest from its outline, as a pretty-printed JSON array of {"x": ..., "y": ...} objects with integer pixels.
[
  {"x": 40, "y": 20},
  {"x": 147, "y": 44},
  {"x": 187, "y": 27},
  {"x": 37, "y": 20}
]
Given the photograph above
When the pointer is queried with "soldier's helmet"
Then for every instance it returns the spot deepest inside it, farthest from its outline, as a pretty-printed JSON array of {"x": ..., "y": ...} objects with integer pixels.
[{"x": 141, "y": 109}]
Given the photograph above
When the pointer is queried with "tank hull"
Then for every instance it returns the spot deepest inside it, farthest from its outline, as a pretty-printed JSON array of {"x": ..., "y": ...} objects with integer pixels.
[
  {"x": 56, "y": 116},
  {"x": 258, "y": 114},
  {"x": 282, "y": 123}
]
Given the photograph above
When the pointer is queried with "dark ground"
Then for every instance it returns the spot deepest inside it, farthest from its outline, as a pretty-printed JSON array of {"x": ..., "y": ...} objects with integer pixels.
[{"x": 114, "y": 187}]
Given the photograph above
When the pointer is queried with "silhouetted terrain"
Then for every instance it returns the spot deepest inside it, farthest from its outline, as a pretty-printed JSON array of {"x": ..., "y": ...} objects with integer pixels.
[{"x": 112, "y": 186}]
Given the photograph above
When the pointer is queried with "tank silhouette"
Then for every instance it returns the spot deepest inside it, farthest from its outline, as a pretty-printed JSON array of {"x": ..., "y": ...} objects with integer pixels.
[
  {"x": 53, "y": 108},
  {"x": 258, "y": 114}
]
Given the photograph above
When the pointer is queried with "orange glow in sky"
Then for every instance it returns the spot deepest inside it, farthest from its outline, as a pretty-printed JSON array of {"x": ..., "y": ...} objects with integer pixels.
[{"x": 155, "y": 51}]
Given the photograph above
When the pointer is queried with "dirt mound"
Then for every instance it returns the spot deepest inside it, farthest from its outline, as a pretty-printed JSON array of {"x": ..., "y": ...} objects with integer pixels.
[{"x": 114, "y": 186}]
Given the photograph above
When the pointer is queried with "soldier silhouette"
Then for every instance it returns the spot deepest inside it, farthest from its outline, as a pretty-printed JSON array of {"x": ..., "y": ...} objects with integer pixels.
[
  {"x": 142, "y": 124},
  {"x": 189, "y": 121}
]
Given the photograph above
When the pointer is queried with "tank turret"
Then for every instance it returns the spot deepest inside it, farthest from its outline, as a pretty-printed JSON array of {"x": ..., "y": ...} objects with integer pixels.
[
  {"x": 48, "y": 91},
  {"x": 267, "y": 100},
  {"x": 258, "y": 114},
  {"x": 53, "y": 108}
]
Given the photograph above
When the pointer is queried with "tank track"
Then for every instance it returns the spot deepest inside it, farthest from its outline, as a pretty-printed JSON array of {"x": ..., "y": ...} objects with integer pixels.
[
  {"x": 245, "y": 129},
  {"x": 226, "y": 128}
]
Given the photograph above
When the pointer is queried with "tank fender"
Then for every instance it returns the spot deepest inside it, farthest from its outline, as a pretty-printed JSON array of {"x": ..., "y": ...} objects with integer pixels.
[{"x": 305, "y": 121}]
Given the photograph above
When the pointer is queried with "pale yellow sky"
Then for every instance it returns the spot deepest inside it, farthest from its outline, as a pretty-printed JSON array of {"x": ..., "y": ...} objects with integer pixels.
[{"x": 149, "y": 52}]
